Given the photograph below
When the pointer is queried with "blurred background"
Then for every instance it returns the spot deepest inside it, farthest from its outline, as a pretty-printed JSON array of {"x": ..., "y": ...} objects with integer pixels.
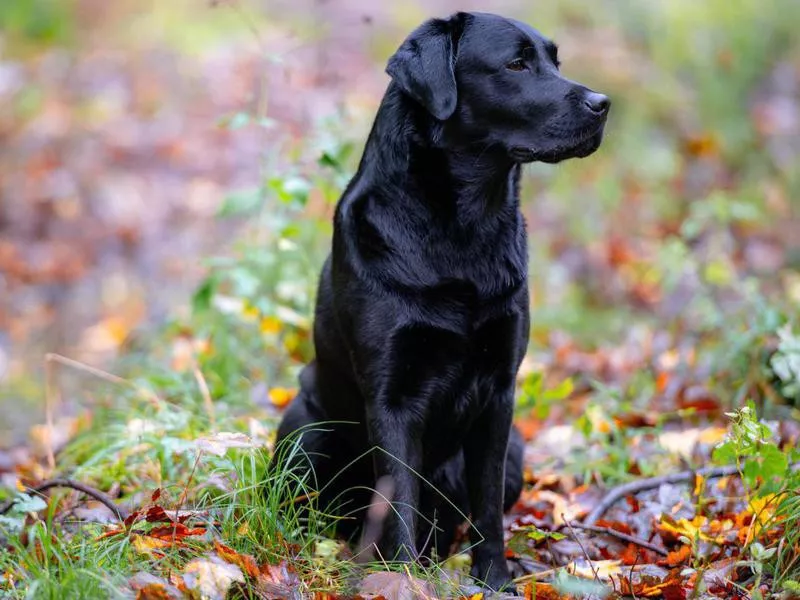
[{"x": 172, "y": 166}]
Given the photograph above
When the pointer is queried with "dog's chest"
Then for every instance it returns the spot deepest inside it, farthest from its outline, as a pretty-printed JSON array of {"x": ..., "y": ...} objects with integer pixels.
[{"x": 451, "y": 363}]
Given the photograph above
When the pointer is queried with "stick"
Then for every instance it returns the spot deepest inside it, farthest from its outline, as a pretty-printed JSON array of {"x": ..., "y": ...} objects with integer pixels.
[
  {"x": 621, "y": 536},
  {"x": 634, "y": 487},
  {"x": 206, "y": 394},
  {"x": 118, "y": 511},
  {"x": 51, "y": 357},
  {"x": 585, "y": 554}
]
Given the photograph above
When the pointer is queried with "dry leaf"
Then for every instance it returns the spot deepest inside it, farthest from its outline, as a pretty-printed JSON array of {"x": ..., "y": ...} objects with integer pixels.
[
  {"x": 219, "y": 443},
  {"x": 395, "y": 586},
  {"x": 603, "y": 569},
  {"x": 542, "y": 591},
  {"x": 281, "y": 397},
  {"x": 211, "y": 577},
  {"x": 146, "y": 544},
  {"x": 277, "y": 581},
  {"x": 246, "y": 562},
  {"x": 678, "y": 557},
  {"x": 150, "y": 587}
]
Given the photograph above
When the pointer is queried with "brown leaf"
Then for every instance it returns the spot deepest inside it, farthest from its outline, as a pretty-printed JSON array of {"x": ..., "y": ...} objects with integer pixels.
[
  {"x": 156, "y": 514},
  {"x": 131, "y": 519},
  {"x": 699, "y": 399},
  {"x": 246, "y": 562},
  {"x": 277, "y": 581},
  {"x": 395, "y": 586},
  {"x": 176, "y": 531},
  {"x": 702, "y": 146},
  {"x": 156, "y": 495}
]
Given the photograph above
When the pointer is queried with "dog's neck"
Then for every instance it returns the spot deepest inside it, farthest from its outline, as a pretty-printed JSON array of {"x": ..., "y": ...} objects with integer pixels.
[{"x": 407, "y": 149}]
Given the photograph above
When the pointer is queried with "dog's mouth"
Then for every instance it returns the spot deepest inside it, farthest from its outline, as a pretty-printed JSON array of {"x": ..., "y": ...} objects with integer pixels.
[{"x": 578, "y": 143}]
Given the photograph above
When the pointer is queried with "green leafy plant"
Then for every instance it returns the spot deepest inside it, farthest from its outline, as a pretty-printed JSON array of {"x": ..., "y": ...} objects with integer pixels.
[{"x": 534, "y": 395}]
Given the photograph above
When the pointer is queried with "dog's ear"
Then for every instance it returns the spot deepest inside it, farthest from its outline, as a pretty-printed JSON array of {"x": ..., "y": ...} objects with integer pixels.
[{"x": 423, "y": 65}]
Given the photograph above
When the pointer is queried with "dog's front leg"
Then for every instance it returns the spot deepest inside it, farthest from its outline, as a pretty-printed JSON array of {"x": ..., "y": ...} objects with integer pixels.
[
  {"x": 398, "y": 455},
  {"x": 485, "y": 457}
]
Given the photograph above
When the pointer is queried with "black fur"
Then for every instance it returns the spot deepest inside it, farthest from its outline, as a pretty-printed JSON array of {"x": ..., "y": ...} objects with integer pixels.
[{"x": 422, "y": 311}]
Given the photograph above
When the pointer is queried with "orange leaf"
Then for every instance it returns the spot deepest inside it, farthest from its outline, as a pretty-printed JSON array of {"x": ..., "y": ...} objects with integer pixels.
[
  {"x": 244, "y": 561},
  {"x": 662, "y": 381},
  {"x": 678, "y": 557},
  {"x": 542, "y": 591},
  {"x": 281, "y": 397},
  {"x": 111, "y": 533},
  {"x": 630, "y": 555},
  {"x": 153, "y": 591}
]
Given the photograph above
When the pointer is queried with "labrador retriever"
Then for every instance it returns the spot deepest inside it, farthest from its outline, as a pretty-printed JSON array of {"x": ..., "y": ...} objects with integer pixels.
[{"x": 422, "y": 312}]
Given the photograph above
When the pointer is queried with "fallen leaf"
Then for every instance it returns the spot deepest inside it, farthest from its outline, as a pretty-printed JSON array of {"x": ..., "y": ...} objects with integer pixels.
[
  {"x": 175, "y": 532},
  {"x": 149, "y": 587},
  {"x": 395, "y": 586},
  {"x": 281, "y": 397},
  {"x": 219, "y": 443},
  {"x": 153, "y": 591},
  {"x": 602, "y": 569},
  {"x": 146, "y": 544},
  {"x": 244, "y": 561},
  {"x": 678, "y": 557},
  {"x": 542, "y": 591},
  {"x": 277, "y": 581},
  {"x": 211, "y": 577},
  {"x": 156, "y": 514}
]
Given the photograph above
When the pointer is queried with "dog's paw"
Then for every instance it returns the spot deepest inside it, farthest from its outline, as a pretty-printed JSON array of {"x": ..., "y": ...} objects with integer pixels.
[
  {"x": 496, "y": 577},
  {"x": 468, "y": 591}
]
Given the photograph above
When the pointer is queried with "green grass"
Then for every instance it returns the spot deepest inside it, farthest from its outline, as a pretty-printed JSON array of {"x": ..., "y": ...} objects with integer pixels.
[{"x": 248, "y": 330}]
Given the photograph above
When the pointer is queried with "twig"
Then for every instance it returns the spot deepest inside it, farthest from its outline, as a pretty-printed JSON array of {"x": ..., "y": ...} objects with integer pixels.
[
  {"x": 208, "y": 403},
  {"x": 586, "y": 554},
  {"x": 634, "y": 487},
  {"x": 120, "y": 512},
  {"x": 185, "y": 491},
  {"x": 52, "y": 396},
  {"x": 621, "y": 536},
  {"x": 51, "y": 357},
  {"x": 535, "y": 576}
]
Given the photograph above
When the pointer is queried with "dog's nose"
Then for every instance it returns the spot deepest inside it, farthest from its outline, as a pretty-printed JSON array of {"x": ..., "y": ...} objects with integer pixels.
[{"x": 597, "y": 103}]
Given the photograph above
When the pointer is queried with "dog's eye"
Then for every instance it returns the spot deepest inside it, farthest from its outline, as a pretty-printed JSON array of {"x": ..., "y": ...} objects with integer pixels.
[{"x": 517, "y": 65}]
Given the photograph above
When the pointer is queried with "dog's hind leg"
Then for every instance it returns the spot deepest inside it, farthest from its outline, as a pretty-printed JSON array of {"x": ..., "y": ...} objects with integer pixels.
[{"x": 319, "y": 460}]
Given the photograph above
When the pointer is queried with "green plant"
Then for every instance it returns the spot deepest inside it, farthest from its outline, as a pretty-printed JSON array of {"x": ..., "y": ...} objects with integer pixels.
[
  {"x": 771, "y": 479},
  {"x": 534, "y": 396}
]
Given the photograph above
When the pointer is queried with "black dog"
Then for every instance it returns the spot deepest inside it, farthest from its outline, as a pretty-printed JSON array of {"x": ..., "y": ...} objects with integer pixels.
[{"x": 422, "y": 312}]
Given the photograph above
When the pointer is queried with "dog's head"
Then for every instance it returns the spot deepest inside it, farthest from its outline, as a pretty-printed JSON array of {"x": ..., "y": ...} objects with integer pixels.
[{"x": 495, "y": 84}]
